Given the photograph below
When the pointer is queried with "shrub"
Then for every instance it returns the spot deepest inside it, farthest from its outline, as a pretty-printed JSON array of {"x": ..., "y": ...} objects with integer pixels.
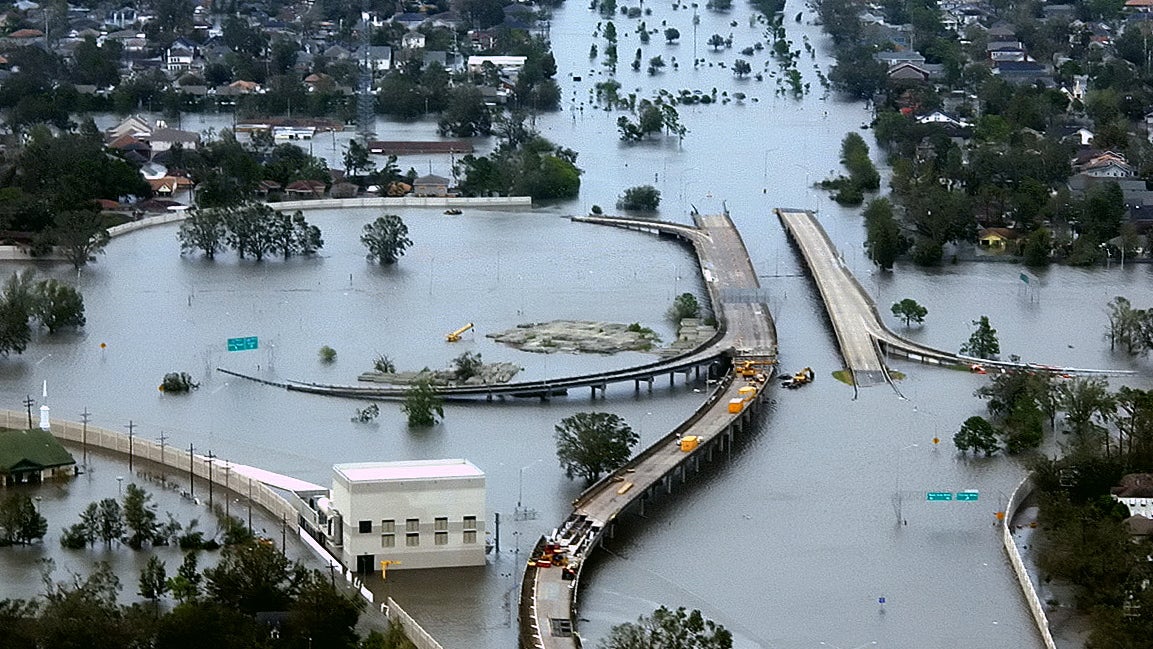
[
  {"x": 327, "y": 354},
  {"x": 643, "y": 198},
  {"x": 178, "y": 383}
]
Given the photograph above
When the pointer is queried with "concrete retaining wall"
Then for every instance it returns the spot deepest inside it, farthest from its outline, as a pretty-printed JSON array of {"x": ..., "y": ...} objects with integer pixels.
[
  {"x": 412, "y": 630},
  {"x": 178, "y": 460},
  {"x": 1035, "y": 606},
  {"x": 482, "y": 203}
]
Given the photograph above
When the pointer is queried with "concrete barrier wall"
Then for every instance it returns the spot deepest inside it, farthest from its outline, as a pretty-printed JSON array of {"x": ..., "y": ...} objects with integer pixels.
[
  {"x": 489, "y": 202},
  {"x": 412, "y": 630},
  {"x": 1027, "y": 589},
  {"x": 177, "y": 460}
]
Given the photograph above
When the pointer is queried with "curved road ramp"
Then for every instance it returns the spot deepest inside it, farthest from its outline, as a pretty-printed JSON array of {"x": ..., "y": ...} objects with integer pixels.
[{"x": 861, "y": 334}]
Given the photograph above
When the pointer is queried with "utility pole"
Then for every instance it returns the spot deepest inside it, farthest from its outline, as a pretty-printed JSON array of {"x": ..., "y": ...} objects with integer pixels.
[
  {"x": 191, "y": 474},
  {"x": 163, "y": 439},
  {"x": 84, "y": 435},
  {"x": 249, "y": 503},
  {"x": 211, "y": 457},
  {"x": 131, "y": 431},
  {"x": 227, "y": 496},
  {"x": 28, "y": 401}
]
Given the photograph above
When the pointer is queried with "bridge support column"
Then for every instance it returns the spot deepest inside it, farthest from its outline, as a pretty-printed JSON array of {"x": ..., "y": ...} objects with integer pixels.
[
  {"x": 672, "y": 379},
  {"x": 636, "y": 385},
  {"x": 593, "y": 392},
  {"x": 650, "y": 380},
  {"x": 668, "y": 484}
]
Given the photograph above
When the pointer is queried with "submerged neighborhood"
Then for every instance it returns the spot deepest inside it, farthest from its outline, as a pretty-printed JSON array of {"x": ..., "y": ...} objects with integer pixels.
[{"x": 1000, "y": 133}]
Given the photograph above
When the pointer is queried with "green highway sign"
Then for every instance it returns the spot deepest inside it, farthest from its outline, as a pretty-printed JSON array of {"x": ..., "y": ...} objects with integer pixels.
[
  {"x": 939, "y": 495},
  {"x": 242, "y": 344},
  {"x": 970, "y": 495}
]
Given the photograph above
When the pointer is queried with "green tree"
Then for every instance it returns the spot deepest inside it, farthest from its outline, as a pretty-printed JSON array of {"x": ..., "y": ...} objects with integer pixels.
[
  {"x": 386, "y": 239},
  {"x": 422, "y": 405},
  {"x": 667, "y": 629},
  {"x": 1038, "y": 247},
  {"x": 325, "y": 613},
  {"x": 80, "y": 235},
  {"x": 977, "y": 434},
  {"x": 883, "y": 239},
  {"x": 17, "y": 302},
  {"x": 204, "y": 229},
  {"x": 250, "y": 230},
  {"x": 672, "y": 34},
  {"x": 356, "y": 159},
  {"x": 153, "y": 582},
  {"x": 254, "y": 577},
  {"x": 185, "y": 584},
  {"x": 466, "y": 114},
  {"x": 84, "y": 613},
  {"x": 908, "y": 310},
  {"x": 684, "y": 306},
  {"x": 109, "y": 521},
  {"x": 716, "y": 41},
  {"x": 467, "y": 365},
  {"x": 139, "y": 517},
  {"x": 1088, "y": 407},
  {"x": 589, "y": 444},
  {"x": 642, "y": 198},
  {"x": 983, "y": 342},
  {"x": 58, "y": 305},
  {"x": 19, "y": 520},
  {"x": 741, "y": 68}
]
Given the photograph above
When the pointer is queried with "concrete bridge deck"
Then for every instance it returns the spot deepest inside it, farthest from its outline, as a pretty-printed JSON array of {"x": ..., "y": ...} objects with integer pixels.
[
  {"x": 861, "y": 334},
  {"x": 548, "y": 617}
]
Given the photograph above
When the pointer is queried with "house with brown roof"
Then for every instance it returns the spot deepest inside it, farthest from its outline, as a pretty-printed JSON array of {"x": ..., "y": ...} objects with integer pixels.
[
  {"x": 430, "y": 185},
  {"x": 996, "y": 238},
  {"x": 305, "y": 189}
]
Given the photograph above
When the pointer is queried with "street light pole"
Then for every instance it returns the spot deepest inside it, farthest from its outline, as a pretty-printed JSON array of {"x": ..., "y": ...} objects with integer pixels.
[{"x": 897, "y": 500}]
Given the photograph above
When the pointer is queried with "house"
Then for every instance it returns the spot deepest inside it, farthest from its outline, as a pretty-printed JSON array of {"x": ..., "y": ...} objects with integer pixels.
[
  {"x": 1005, "y": 51},
  {"x": 906, "y": 71},
  {"x": 410, "y": 20},
  {"x": 506, "y": 64},
  {"x": 379, "y": 57},
  {"x": 170, "y": 186},
  {"x": 995, "y": 238},
  {"x": 32, "y": 456},
  {"x": 408, "y": 514},
  {"x": 266, "y": 187},
  {"x": 412, "y": 40},
  {"x": 430, "y": 185},
  {"x": 319, "y": 81},
  {"x": 162, "y": 139},
  {"x": 1023, "y": 72},
  {"x": 179, "y": 56},
  {"x": 304, "y": 189},
  {"x": 1107, "y": 166},
  {"x": 122, "y": 17}
]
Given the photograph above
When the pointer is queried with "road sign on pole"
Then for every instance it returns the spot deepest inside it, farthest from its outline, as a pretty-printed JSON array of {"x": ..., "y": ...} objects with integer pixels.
[
  {"x": 968, "y": 495},
  {"x": 242, "y": 344},
  {"x": 939, "y": 495}
]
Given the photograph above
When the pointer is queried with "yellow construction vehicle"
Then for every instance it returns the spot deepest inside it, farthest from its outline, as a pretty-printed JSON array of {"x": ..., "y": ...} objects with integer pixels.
[
  {"x": 750, "y": 369},
  {"x": 804, "y": 377},
  {"x": 455, "y": 336}
]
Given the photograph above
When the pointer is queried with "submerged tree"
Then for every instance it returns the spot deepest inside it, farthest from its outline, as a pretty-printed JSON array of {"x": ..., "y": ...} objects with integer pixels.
[
  {"x": 665, "y": 629},
  {"x": 386, "y": 239},
  {"x": 983, "y": 342},
  {"x": 422, "y": 404},
  {"x": 589, "y": 444}
]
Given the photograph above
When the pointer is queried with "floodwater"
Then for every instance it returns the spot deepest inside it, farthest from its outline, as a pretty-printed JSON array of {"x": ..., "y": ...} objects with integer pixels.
[{"x": 791, "y": 543}]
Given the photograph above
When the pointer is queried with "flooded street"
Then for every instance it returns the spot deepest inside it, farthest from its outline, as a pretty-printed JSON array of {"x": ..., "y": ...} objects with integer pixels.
[{"x": 790, "y": 543}]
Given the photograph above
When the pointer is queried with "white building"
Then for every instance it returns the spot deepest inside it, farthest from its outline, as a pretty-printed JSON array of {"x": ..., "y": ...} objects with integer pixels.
[
  {"x": 505, "y": 64},
  {"x": 418, "y": 514}
]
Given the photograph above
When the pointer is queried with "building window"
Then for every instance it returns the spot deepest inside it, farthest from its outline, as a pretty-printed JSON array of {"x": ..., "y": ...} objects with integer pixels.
[
  {"x": 387, "y": 540},
  {"x": 365, "y": 527},
  {"x": 470, "y": 536},
  {"x": 470, "y": 522},
  {"x": 441, "y": 525},
  {"x": 442, "y": 538},
  {"x": 412, "y": 525},
  {"x": 388, "y": 526},
  {"x": 412, "y": 539}
]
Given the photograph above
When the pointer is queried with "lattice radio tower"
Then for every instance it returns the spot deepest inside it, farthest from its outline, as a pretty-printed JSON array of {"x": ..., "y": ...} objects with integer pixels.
[{"x": 365, "y": 102}]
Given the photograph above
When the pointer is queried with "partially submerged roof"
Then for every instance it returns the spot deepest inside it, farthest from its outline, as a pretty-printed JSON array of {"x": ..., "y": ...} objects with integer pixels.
[{"x": 28, "y": 450}]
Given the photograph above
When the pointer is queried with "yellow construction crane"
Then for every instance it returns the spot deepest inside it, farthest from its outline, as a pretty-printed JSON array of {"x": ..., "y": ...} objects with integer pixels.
[
  {"x": 384, "y": 568},
  {"x": 455, "y": 336}
]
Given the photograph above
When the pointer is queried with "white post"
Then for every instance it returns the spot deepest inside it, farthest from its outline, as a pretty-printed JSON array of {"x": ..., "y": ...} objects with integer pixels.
[{"x": 44, "y": 425}]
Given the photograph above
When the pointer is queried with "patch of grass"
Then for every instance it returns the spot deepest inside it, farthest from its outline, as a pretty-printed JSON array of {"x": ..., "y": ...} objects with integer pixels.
[{"x": 844, "y": 376}]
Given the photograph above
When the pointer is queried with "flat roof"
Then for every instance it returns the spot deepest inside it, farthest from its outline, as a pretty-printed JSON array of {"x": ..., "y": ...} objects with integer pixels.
[{"x": 407, "y": 470}]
